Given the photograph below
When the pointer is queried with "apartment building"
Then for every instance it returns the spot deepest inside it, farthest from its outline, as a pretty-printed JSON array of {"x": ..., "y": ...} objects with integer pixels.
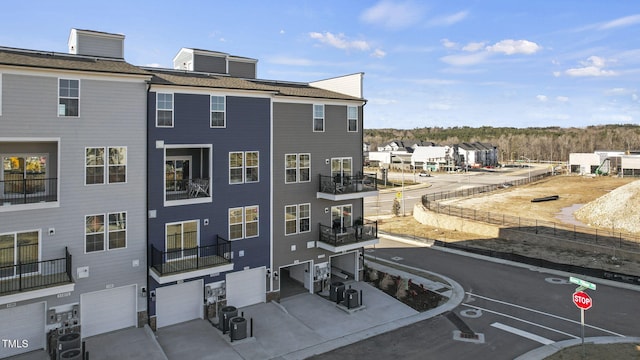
[{"x": 72, "y": 191}]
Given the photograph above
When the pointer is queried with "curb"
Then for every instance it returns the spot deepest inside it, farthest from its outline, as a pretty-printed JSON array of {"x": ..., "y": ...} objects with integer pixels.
[{"x": 548, "y": 350}]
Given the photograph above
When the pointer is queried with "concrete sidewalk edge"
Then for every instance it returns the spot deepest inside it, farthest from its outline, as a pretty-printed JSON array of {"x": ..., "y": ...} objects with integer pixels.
[{"x": 548, "y": 350}]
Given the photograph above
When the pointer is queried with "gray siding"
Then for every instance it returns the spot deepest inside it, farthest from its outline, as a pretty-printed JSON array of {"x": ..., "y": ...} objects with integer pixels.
[
  {"x": 100, "y": 46},
  {"x": 212, "y": 64},
  {"x": 293, "y": 134},
  {"x": 112, "y": 113},
  {"x": 242, "y": 69}
]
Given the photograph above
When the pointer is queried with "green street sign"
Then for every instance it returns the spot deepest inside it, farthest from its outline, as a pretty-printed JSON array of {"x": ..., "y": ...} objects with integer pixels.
[{"x": 582, "y": 283}]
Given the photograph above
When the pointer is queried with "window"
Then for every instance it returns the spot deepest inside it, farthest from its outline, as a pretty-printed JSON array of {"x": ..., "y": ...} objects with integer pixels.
[
  {"x": 96, "y": 165},
  {"x": 244, "y": 167},
  {"x": 164, "y": 109},
  {"x": 24, "y": 174},
  {"x": 318, "y": 118},
  {"x": 243, "y": 222},
  {"x": 341, "y": 169},
  {"x": 297, "y": 168},
  {"x": 181, "y": 240},
  {"x": 218, "y": 112},
  {"x": 117, "y": 165},
  {"x": 297, "y": 219},
  {"x": 19, "y": 248},
  {"x": 352, "y": 118},
  {"x": 68, "y": 97},
  {"x": 115, "y": 233},
  {"x": 341, "y": 218}
]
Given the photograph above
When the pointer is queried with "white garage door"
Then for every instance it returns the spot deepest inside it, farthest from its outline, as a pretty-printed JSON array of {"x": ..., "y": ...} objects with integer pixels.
[
  {"x": 246, "y": 287},
  {"x": 179, "y": 303},
  {"x": 108, "y": 310},
  {"x": 23, "y": 327}
]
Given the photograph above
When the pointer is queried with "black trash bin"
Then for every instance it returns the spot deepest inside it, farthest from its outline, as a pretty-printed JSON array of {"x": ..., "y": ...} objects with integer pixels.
[{"x": 336, "y": 291}]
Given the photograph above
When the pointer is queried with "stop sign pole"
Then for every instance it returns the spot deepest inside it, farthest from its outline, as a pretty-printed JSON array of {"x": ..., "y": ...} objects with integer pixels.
[{"x": 583, "y": 301}]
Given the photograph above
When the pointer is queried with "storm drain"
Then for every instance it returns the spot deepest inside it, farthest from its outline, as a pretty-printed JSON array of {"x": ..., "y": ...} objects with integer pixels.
[{"x": 464, "y": 332}]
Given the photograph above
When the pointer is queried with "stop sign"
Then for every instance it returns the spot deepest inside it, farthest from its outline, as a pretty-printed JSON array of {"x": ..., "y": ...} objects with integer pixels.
[{"x": 582, "y": 300}]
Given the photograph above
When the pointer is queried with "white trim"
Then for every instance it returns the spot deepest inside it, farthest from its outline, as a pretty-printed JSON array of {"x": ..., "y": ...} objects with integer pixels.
[
  {"x": 83, "y": 75},
  {"x": 309, "y": 101},
  {"x": 243, "y": 222},
  {"x": 104, "y": 173},
  {"x": 68, "y": 97},
  {"x": 257, "y": 221},
  {"x": 236, "y": 167},
  {"x": 313, "y": 118},
  {"x": 181, "y": 223},
  {"x": 35, "y": 294},
  {"x": 105, "y": 233},
  {"x": 297, "y": 219},
  {"x": 192, "y": 90},
  {"x": 173, "y": 110},
  {"x": 356, "y": 119},
  {"x": 189, "y": 274},
  {"x": 224, "y": 112}
]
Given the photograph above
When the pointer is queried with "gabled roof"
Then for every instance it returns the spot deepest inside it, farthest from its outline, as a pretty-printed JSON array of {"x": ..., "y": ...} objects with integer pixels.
[
  {"x": 218, "y": 81},
  {"x": 60, "y": 61}
]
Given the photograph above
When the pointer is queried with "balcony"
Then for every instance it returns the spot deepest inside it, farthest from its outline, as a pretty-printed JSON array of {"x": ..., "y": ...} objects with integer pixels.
[
  {"x": 188, "y": 263},
  {"x": 187, "y": 189},
  {"x": 336, "y": 239},
  {"x": 28, "y": 191},
  {"x": 338, "y": 187},
  {"x": 46, "y": 277}
]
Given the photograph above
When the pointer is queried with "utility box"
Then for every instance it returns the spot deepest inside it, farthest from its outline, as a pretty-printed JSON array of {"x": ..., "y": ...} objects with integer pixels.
[
  {"x": 226, "y": 314},
  {"x": 238, "y": 328}
]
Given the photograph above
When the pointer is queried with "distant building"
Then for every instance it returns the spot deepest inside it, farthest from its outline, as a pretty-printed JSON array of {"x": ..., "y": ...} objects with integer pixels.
[{"x": 605, "y": 163}]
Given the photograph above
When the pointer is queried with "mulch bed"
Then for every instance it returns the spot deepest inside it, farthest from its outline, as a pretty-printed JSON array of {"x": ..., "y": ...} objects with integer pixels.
[{"x": 414, "y": 295}]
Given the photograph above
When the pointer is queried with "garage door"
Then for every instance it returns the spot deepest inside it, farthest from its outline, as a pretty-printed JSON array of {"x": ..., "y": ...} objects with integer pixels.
[
  {"x": 246, "y": 287},
  {"x": 179, "y": 303},
  {"x": 108, "y": 310},
  {"x": 23, "y": 327}
]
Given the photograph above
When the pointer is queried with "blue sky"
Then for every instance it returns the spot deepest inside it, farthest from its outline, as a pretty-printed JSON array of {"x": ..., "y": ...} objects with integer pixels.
[{"x": 426, "y": 63}]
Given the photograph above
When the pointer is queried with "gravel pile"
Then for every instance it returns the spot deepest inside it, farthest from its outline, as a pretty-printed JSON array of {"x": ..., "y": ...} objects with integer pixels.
[{"x": 618, "y": 210}]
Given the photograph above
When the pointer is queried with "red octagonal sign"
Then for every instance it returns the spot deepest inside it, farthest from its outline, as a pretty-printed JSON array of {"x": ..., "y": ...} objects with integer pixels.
[{"x": 582, "y": 300}]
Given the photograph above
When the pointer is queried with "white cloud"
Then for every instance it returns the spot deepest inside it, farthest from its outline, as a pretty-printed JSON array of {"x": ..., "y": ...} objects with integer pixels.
[
  {"x": 382, "y": 101},
  {"x": 339, "y": 41},
  {"x": 281, "y": 32},
  {"x": 593, "y": 66},
  {"x": 434, "y": 81},
  {"x": 378, "y": 53},
  {"x": 449, "y": 19},
  {"x": 620, "y": 22},
  {"x": 542, "y": 98},
  {"x": 510, "y": 47},
  {"x": 448, "y": 44},
  {"x": 562, "y": 98},
  {"x": 155, "y": 65},
  {"x": 473, "y": 46},
  {"x": 393, "y": 15},
  {"x": 466, "y": 59},
  {"x": 634, "y": 97}
]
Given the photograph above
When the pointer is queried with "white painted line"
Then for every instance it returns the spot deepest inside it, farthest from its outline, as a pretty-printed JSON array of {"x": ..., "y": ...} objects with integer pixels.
[
  {"x": 522, "y": 320},
  {"x": 544, "y": 313},
  {"x": 525, "y": 334}
]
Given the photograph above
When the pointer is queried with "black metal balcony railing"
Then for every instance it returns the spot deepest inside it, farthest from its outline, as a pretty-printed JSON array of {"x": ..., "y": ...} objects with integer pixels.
[
  {"x": 191, "y": 258},
  {"x": 187, "y": 189},
  {"x": 25, "y": 275},
  {"x": 339, "y": 236},
  {"x": 28, "y": 191},
  {"x": 348, "y": 184}
]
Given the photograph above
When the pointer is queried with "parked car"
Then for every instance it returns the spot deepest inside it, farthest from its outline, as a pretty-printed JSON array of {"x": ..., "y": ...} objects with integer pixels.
[{"x": 424, "y": 173}]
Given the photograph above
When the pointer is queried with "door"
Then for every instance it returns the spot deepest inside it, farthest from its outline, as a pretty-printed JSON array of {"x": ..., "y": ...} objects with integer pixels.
[
  {"x": 182, "y": 240},
  {"x": 19, "y": 253},
  {"x": 177, "y": 173},
  {"x": 341, "y": 218},
  {"x": 179, "y": 303},
  {"x": 22, "y": 329},
  {"x": 341, "y": 170},
  {"x": 108, "y": 310},
  {"x": 246, "y": 287}
]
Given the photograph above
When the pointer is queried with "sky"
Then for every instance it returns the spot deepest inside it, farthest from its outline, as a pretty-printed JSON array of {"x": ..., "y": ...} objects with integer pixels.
[{"x": 428, "y": 63}]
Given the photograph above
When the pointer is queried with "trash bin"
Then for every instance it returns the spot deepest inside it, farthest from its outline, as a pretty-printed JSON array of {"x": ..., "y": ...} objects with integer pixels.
[
  {"x": 352, "y": 298},
  {"x": 238, "y": 327},
  {"x": 336, "y": 291},
  {"x": 68, "y": 341}
]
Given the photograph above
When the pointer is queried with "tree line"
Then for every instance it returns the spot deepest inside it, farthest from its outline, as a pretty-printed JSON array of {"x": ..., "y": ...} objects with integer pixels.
[{"x": 535, "y": 143}]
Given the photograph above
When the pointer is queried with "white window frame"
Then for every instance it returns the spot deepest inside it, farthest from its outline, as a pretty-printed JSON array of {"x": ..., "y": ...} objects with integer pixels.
[
  {"x": 15, "y": 249},
  {"x": 297, "y": 168},
  {"x": 68, "y": 97},
  {"x": 244, "y": 167},
  {"x": 106, "y": 166},
  {"x": 224, "y": 112},
  {"x": 109, "y": 231},
  {"x": 298, "y": 219},
  {"x": 105, "y": 231},
  {"x": 313, "y": 124},
  {"x": 243, "y": 223},
  {"x": 182, "y": 232},
  {"x": 173, "y": 106},
  {"x": 340, "y": 208},
  {"x": 350, "y": 119}
]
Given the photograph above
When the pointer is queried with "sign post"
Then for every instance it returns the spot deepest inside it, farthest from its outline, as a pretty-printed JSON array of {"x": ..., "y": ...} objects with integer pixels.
[{"x": 583, "y": 301}]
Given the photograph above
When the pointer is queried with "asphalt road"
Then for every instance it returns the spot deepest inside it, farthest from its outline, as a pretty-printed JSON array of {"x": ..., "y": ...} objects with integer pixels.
[
  {"x": 511, "y": 309},
  {"x": 381, "y": 205}
]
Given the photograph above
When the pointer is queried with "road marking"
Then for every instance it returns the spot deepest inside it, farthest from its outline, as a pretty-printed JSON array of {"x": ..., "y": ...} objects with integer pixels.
[
  {"x": 528, "y": 335},
  {"x": 544, "y": 313},
  {"x": 523, "y": 320}
]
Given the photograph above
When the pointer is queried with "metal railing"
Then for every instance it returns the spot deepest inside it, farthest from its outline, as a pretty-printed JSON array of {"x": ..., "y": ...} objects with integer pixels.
[
  {"x": 28, "y": 190},
  {"x": 339, "y": 236},
  {"x": 26, "y": 274},
  {"x": 187, "y": 189},
  {"x": 190, "y": 258},
  {"x": 347, "y": 184}
]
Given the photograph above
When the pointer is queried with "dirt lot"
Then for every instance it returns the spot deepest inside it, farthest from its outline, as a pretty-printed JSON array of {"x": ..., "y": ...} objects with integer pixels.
[{"x": 573, "y": 191}]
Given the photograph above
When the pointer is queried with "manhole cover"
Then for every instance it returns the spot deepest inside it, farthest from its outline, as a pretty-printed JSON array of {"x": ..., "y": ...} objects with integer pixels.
[
  {"x": 557, "y": 281},
  {"x": 397, "y": 258}
]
